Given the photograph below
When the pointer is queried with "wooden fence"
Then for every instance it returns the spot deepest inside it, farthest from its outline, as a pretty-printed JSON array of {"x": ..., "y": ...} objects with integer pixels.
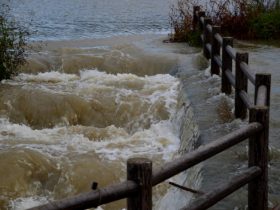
[{"x": 140, "y": 177}]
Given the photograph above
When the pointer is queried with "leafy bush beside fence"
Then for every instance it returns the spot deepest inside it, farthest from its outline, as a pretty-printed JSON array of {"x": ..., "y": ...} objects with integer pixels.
[
  {"x": 12, "y": 45},
  {"x": 243, "y": 19}
]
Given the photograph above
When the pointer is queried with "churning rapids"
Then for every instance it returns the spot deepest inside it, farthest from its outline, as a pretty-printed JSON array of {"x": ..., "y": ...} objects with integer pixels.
[
  {"x": 102, "y": 88},
  {"x": 63, "y": 128}
]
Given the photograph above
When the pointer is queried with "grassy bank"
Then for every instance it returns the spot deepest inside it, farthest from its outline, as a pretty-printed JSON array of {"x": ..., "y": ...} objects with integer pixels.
[{"x": 242, "y": 19}]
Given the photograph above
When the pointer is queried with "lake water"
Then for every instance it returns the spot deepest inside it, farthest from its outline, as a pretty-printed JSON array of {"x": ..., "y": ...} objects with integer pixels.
[
  {"x": 103, "y": 87},
  {"x": 78, "y": 19}
]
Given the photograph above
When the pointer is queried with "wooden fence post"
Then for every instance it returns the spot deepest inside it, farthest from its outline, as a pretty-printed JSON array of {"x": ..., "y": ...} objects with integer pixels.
[
  {"x": 139, "y": 170},
  {"x": 263, "y": 79},
  {"x": 241, "y": 84},
  {"x": 200, "y": 14},
  {"x": 195, "y": 18},
  {"x": 258, "y": 156},
  {"x": 226, "y": 65},
  {"x": 216, "y": 47},
  {"x": 206, "y": 37}
]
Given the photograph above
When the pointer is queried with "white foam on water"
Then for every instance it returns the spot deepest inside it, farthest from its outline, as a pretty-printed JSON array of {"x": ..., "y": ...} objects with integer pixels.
[
  {"x": 207, "y": 71},
  {"x": 92, "y": 74},
  {"x": 27, "y": 202},
  {"x": 52, "y": 77},
  {"x": 8, "y": 129},
  {"x": 161, "y": 140},
  {"x": 217, "y": 97},
  {"x": 149, "y": 88}
]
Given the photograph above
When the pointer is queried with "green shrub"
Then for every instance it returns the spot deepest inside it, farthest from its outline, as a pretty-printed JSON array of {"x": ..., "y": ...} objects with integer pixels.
[
  {"x": 181, "y": 21},
  {"x": 266, "y": 25},
  {"x": 242, "y": 19},
  {"x": 193, "y": 38},
  {"x": 12, "y": 45}
]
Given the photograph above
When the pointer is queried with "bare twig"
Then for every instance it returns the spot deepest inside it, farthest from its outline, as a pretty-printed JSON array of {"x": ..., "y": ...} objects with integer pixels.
[{"x": 185, "y": 188}]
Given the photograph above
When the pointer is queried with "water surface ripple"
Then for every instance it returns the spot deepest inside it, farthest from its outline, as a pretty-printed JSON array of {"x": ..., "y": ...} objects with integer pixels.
[{"x": 77, "y": 19}]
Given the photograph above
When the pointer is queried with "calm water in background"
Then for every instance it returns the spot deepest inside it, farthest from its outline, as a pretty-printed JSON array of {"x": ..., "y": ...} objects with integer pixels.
[
  {"x": 102, "y": 88},
  {"x": 78, "y": 19}
]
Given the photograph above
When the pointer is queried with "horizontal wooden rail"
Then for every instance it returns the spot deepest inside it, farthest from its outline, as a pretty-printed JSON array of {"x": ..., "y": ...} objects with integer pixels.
[
  {"x": 222, "y": 56},
  {"x": 204, "y": 152},
  {"x": 262, "y": 96},
  {"x": 138, "y": 188},
  {"x": 93, "y": 198},
  {"x": 230, "y": 77},
  {"x": 209, "y": 28},
  {"x": 209, "y": 48},
  {"x": 248, "y": 72},
  {"x": 219, "y": 38},
  {"x": 202, "y": 37},
  {"x": 125, "y": 189},
  {"x": 209, "y": 199},
  {"x": 201, "y": 19},
  {"x": 263, "y": 80},
  {"x": 218, "y": 60},
  {"x": 246, "y": 99},
  {"x": 231, "y": 52},
  {"x": 212, "y": 44}
]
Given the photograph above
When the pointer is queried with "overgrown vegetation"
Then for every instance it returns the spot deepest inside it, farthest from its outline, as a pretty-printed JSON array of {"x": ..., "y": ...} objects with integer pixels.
[
  {"x": 243, "y": 19},
  {"x": 12, "y": 44}
]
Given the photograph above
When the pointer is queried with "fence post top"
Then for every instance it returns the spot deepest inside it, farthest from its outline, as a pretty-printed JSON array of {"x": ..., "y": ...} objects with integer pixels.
[
  {"x": 228, "y": 38},
  {"x": 259, "y": 108},
  {"x": 227, "y": 41},
  {"x": 242, "y": 56},
  {"x": 216, "y": 27},
  {"x": 263, "y": 79},
  {"x": 201, "y": 13},
  {"x": 215, "y": 30},
  {"x": 139, "y": 160},
  {"x": 263, "y": 74},
  {"x": 207, "y": 20}
]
